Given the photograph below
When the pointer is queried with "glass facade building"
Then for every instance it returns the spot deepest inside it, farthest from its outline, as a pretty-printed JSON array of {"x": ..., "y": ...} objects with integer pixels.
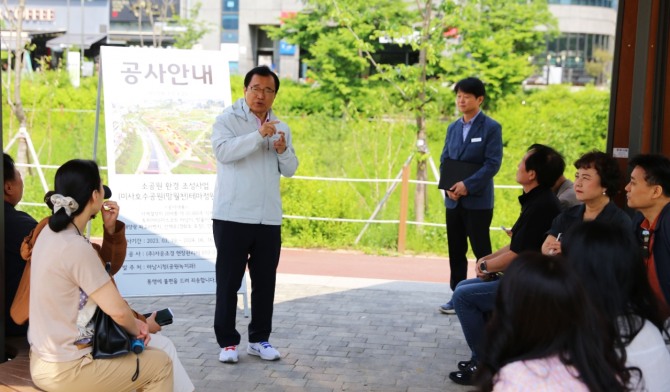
[
  {"x": 230, "y": 21},
  {"x": 594, "y": 3},
  {"x": 583, "y": 51}
]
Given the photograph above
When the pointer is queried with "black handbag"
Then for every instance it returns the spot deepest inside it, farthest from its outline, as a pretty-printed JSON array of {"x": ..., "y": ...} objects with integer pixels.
[{"x": 110, "y": 340}]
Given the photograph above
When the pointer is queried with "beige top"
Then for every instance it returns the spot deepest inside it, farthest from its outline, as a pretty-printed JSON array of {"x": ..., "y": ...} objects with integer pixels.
[{"x": 61, "y": 264}]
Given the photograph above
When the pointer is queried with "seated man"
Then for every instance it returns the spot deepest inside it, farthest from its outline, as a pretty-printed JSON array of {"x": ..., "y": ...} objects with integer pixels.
[
  {"x": 565, "y": 191},
  {"x": 475, "y": 298},
  {"x": 17, "y": 225},
  {"x": 648, "y": 192}
]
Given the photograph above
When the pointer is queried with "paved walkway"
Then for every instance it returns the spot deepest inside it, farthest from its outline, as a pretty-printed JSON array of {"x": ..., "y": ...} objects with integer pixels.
[{"x": 335, "y": 333}]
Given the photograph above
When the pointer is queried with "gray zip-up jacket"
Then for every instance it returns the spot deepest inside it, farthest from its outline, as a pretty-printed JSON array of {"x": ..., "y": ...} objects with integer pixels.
[{"x": 248, "y": 168}]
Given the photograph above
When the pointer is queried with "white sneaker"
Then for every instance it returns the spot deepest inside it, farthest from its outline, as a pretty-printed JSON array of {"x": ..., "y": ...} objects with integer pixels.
[
  {"x": 228, "y": 354},
  {"x": 263, "y": 350}
]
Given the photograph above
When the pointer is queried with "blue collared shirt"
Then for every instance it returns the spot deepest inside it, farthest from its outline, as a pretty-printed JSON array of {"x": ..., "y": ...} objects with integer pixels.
[{"x": 468, "y": 125}]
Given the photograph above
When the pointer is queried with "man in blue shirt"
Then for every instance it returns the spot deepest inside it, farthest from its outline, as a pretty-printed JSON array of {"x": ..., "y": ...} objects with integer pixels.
[{"x": 473, "y": 138}]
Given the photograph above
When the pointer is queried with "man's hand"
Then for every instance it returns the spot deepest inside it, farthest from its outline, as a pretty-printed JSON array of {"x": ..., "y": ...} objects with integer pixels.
[
  {"x": 459, "y": 190},
  {"x": 280, "y": 143},
  {"x": 452, "y": 195},
  {"x": 268, "y": 128}
]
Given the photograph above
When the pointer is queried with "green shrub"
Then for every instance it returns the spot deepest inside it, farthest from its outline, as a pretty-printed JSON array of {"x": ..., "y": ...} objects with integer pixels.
[{"x": 371, "y": 140}]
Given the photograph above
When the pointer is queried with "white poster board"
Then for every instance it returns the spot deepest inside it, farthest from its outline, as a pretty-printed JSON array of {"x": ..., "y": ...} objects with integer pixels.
[{"x": 160, "y": 105}]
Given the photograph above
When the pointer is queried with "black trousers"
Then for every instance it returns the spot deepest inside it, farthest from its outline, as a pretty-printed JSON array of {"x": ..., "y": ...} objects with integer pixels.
[
  {"x": 239, "y": 245},
  {"x": 463, "y": 223}
]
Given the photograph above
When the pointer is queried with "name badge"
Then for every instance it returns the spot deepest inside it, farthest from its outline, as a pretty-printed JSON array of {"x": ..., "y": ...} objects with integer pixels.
[{"x": 476, "y": 139}]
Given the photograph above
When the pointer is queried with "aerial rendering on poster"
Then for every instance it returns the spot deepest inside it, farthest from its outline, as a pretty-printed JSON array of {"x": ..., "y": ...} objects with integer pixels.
[{"x": 165, "y": 137}]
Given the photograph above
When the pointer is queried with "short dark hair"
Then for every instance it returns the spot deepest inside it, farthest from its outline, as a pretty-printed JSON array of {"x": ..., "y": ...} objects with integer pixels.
[
  {"x": 606, "y": 167},
  {"x": 547, "y": 163},
  {"x": 542, "y": 310},
  {"x": 263, "y": 70},
  {"x": 8, "y": 168},
  {"x": 472, "y": 86},
  {"x": 656, "y": 168}
]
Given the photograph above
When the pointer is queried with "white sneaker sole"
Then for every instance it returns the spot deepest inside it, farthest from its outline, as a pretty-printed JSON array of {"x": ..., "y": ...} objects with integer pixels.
[
  {"x": 251, "y": 351},
  {"x": 445, "y": 311},
  {"x": 228, "y": 360}
]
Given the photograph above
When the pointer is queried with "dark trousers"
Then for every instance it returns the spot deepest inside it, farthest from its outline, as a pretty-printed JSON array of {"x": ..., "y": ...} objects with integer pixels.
[
  {"x": 463, "y": 223},
  {"x": 239, "y": 245}
]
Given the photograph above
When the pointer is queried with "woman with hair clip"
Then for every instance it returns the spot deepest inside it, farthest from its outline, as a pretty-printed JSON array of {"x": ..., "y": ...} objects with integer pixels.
[
  {"x": 67, "y": 281},
  {"x": 545, "y": 334},
  {"x": 112, "y": 253},
  {"x": 597, "y": 181},
  {"x": 608, "y": 259}
]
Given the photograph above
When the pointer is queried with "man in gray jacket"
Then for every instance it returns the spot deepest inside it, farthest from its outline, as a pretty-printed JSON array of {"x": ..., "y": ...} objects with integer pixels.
[{"x": 253, "y": 149}]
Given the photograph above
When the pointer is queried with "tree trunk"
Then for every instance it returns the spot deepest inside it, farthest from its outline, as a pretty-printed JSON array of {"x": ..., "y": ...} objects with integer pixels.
[
  {"x": 16, "y": 104},
  {"x": 420, "y": 195},
  {"x": 140, "y": 6}
]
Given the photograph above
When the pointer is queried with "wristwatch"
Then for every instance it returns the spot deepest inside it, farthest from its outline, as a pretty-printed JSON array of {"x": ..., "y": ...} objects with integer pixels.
[{"x": 482, "y": 267}]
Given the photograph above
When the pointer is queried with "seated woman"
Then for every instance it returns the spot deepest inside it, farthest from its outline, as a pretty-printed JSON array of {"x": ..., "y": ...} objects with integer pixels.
[
  {"x": 608, "y": 260},
  {"x": 112, "y": 250},
  {"x": 66, "y": 274},
  {"x": 597, "y": 181},
  {"x": 546, "y": 335}
]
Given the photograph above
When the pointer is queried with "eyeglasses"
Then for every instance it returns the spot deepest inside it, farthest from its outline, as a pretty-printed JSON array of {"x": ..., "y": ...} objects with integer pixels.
[
  {"x": 646, "y": 238},
  {"x": 265, "y": 91}
]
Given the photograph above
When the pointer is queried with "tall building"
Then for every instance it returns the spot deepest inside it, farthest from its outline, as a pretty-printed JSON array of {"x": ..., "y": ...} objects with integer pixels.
[
  {"x": 248, "y": 45},
  {"x": 583, "y": 52}
]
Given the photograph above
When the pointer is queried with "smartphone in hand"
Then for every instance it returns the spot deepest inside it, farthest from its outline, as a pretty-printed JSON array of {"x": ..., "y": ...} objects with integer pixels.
[{"x": 163, "y": 316}]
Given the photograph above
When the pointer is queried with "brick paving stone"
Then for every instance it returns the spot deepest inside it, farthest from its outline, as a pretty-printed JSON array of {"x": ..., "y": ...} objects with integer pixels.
[{"x": 335, "y": 334}]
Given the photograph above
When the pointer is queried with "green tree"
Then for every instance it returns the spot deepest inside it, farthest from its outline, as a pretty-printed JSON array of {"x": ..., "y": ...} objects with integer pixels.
[
  {"x": 600, "y": 66},
  {"x": 335, "y": 38},
  {"x": 341, "y": 39},
  {"x": 192, "y": 29},
  {"x": 495, "y": 40},
  {"x": 14, "y": 100},
  {"x": 164, "y": 18}
]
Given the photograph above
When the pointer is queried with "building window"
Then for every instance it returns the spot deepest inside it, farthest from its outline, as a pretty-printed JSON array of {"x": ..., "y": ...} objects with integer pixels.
[
  {"x": 231, "y": 6},
  {"x": 230, "y": 37},
  {"x": 571, "y": 52},
  {"x": 594, "y": 3},
  {"x": 230, "y": 22},
  {"x": 234, "y": 67}
]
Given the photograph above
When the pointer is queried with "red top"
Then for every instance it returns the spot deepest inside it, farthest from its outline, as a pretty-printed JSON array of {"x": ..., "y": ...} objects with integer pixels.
[{"x": 651, "y": 270}]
